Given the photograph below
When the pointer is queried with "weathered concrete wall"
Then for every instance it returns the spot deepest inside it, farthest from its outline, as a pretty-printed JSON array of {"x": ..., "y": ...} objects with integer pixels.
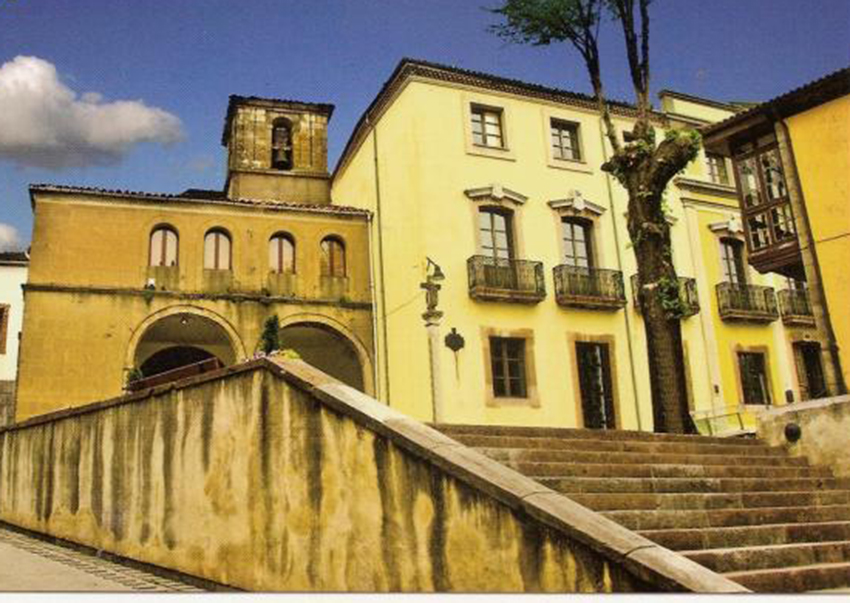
[
  {"x": 272, "y": 476},
  {"x": 825, "y": 431}
]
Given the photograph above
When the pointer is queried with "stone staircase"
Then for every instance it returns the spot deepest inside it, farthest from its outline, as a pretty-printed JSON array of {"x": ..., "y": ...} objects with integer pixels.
[{"x": 762, "y": 518}]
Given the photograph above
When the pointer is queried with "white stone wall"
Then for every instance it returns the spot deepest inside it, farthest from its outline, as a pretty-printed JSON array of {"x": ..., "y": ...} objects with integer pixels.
[{"x": 11, "y": 279}]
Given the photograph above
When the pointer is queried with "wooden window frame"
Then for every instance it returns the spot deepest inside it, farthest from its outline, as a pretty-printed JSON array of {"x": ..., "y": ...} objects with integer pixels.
[
  {"x": 336, "y": 265},
  {"x": 561, "y": 125},
  {"x": 587, "y": 226},
  {"x": 280, "y": 238},
  {"x": 165, "y": 228},
  {"x": 476, "y": 109},
  {"x": 766, "y": 206},
  {"x": 218, "y": 233},
  {"x": 532, "y": 397},
  {"x": 737, "y": 247},
  {"x": 716, "y": 166},
  {"x": 508, "y": 216}
]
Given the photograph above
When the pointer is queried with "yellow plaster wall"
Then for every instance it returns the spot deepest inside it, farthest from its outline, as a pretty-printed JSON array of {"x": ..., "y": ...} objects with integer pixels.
[
  {"x": 821, "y": 142},
  {"x": 425, "y": 163},
  {"x": 86, "y": 306}
]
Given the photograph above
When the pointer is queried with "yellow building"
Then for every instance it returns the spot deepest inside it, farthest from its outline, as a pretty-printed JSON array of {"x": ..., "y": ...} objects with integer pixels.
[
  {"x": 498, "y": 183},
  {"x": 124, "y": 281},
  {"x": 792, "y": 157}
]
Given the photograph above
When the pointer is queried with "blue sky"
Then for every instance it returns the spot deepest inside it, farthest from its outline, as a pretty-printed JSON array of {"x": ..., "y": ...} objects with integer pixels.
[{"x": 184, "y": 57}]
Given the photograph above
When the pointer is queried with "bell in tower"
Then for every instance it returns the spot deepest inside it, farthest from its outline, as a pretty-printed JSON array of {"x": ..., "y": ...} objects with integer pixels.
[{"x": 277, "y": 150}]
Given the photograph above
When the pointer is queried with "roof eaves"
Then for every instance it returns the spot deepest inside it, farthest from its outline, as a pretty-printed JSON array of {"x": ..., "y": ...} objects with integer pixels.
[
  {"x": 165, "y": 197},
  {"x": 819, "y": 91},
  {"x": 408, "y": 67}
]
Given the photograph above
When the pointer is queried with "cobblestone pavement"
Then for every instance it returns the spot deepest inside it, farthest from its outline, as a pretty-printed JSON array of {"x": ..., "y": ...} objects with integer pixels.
[{"x": 29, "y": 564}]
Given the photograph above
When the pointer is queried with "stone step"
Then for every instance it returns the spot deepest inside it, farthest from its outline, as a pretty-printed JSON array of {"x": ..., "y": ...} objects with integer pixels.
[
  {"x": 690, "y": 539},
  {"x": 722, "y": 500},
  {"x": 794, "y": 579},
  {"x": 771, "y": 556},
  {"x": 515, "y": 455},
  {"x": 721, "y": 518},
  {"x": 658, "y": 471},
  {"x": 594, "y": 434},
  {"x": 554, "y": 443},
  {"x": 691, "y": 484}
]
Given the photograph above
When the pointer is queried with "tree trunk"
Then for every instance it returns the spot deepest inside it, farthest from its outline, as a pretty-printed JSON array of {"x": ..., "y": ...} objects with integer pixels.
[{"x": 651, "y": 240}]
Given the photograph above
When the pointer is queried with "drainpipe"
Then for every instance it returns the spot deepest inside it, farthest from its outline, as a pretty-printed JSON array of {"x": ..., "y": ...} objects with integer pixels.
[
  {"x": 378, "y": 225},
  {"x": 373, "y": 296},
  {"x": 620, "y": 267}
]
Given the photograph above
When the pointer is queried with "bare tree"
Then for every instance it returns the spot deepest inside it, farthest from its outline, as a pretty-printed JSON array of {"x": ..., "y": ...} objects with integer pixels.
[{"x": 642, "y": 166}]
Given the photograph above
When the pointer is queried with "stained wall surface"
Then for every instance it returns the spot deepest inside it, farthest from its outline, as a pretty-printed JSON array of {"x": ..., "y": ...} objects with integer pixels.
[{"x": 271, "y": 476}]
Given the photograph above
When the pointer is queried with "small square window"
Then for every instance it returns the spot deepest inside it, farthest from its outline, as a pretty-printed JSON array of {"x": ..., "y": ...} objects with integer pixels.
[
  {"x": 717, "y": 168},
  {"x": 507, "y": 359},
  {"x": 487, "y": 127},
  {"x": 565, "y": 140}
]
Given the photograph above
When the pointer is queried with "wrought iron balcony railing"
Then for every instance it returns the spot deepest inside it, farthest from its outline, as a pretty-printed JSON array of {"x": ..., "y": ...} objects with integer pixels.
[
  {"x": 752, "y": 303},
  {"x": 591, "y": 288},
  {"x": 500, "y": 279},
  {"x": 796, "y": 308},
  {"x": 687, "y": 293}
]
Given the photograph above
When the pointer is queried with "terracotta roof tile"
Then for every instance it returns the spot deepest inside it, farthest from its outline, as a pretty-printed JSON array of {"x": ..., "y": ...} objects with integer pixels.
[
  {"x": 199, "y": 196},
  {"x": 799, "y": 99}
]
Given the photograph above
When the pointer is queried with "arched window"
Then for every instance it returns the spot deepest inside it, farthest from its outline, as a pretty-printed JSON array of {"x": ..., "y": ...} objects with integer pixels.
[
  {"x": 217, "y": 250},
  {"x": 282, "y": 253},
  {"x": 281, "y": 144},
  {"x": 163, "y": 247},
  {"x": 333, "y": 256}
]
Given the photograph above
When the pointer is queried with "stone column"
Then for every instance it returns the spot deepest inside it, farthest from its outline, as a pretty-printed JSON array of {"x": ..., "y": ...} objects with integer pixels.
[{"x": 432, "y": 325}]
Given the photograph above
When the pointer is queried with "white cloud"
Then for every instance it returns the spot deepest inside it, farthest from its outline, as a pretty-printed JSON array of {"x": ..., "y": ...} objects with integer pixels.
[
  {"x": 43, "y": 123},
  {"x": 9, "y": 239}
]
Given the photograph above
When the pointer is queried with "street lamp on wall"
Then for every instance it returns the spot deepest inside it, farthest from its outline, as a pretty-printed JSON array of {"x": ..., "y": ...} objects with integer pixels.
[{"x": 433, "y": 277}]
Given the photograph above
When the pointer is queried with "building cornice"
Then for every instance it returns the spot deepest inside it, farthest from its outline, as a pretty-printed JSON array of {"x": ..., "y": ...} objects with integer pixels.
[
  {"x": 408, "y": 69},
  {"x": 107, "y": 195},
  {"x": 194, "y": 295},
  {"x": 701, "y": 186}
]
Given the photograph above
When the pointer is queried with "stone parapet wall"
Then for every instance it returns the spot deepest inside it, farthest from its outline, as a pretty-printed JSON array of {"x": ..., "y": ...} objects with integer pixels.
[
  {"x": 824, "y": 431},
  {"x": 272, "y": 476}
]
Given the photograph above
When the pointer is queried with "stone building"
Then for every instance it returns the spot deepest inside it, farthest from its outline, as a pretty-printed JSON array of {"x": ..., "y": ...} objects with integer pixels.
[
  {"x": 792, "y": 160},
  {"x": 13, "y": 274},
  {"x": 122, "y": 282}
]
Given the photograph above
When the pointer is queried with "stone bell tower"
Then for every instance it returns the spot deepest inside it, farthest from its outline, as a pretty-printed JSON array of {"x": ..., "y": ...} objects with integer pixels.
[{"x": 277, "y": 150}]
